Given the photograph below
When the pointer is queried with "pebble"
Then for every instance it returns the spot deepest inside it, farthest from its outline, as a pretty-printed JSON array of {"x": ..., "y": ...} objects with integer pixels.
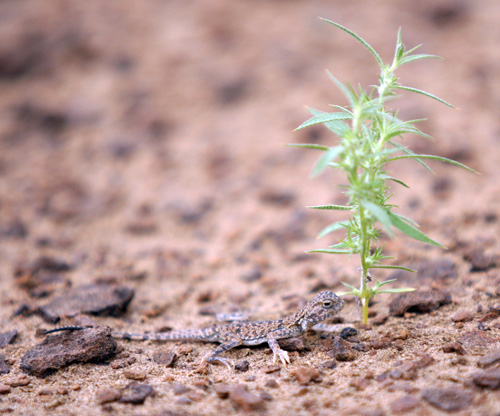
[
  {"x": 455, "y": 347},
  {"x": 272, "y": 384},
  {"x": 448, "y": 399},
  {"x": 463, "y": 316},
  {"x": 179, "y": 389},
  {"x": 339, "y": 349},
  {"x": 7, "y": 338},
  {"x": 305, "y": 375},
  {"x": 222, "y": 390},
  {"x": 348, "y": 332},
  {"x": 422, "y": 301},
  {"x": 4, "y": 367},
  {"x": 475, "y": 341},
  {"x": 136, "y": 393},
  {"x": 489, "y": 379},
  {"x": 292, "y": 344},
  {"x": 56, "y": 351},
  {"x": 242, "y": 366},
  {"x": 122, "y": 363},
  {"x": 165, "y": 357},
  {"x": 246, "y": 400},
  {"x": 479, "y": 260},
  {"x": 135, "y": 374},
  {"x": 489, "y": 359},
  {"x": 271, "y": 369},
  {"x": 404, "y": 404},
  {"x": 108, "y": 395},
  {"x": 4, "y": 389}
]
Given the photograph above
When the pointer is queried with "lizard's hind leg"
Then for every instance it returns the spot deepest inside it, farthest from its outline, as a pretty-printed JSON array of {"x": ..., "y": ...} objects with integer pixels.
[{"x": 212, "y": 356}]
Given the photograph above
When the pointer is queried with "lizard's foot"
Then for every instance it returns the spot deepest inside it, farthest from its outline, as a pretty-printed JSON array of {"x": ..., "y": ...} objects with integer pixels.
[
  {"x": 283, "y": 356},
  {"x": 226, "y": 361}
]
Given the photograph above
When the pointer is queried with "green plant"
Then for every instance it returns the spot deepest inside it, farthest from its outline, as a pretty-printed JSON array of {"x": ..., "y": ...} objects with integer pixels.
[{"x": 368, "y": 129}]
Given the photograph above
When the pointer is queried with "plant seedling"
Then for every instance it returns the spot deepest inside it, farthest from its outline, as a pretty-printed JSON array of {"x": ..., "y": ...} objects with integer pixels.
[{"x": 368, "y": 131}]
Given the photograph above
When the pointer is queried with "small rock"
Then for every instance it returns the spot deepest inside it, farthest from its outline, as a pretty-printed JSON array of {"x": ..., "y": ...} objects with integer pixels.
[
  {"x": 252, "y": 275},
  {"x": 292, "y": 344},
  {"x": 328, "y": 365},
  {"x": 4, "y": 389},
  {"x": 95, "y": 299},
  {"x": 448, "y": 399},
  {"x": 463, "y": 316},
  {"x": 422, "y": 301},
  {"x": 437, "y": 270},
  {"x": 122, "y": 363},
  {"x": 89, "y": 344},
  {"x": 19, "y": 381},
  {"x": 305, "y": 375},
  {"x": 488, "y": 379},
  {"x": 7, "y": 338},
  {"x": 380, "y": 343},
  {"x": 272, "y": 384},
  {"x": 491, "y": 313},
  {"x": 165, "y": 357},
  {"x": 271, "y": 369},
  {"x": 479, "y": 260},
  {"x": 222, "y": 390},
  {"x": 179, "y": 389},
  {"x": 476, "y": 341},
  {"x": 455, "y": 347},
  {"x": 245, "y": 400},
  {"x": 4, "y": 367},
  {"x": 108, "y": 395},
  {"x": 348, "y": 332},
  {"x": 136, "y": 393},
  {"x": 339, "y": 349},
  {"x": 359, "y": 383},
  {"x": 135, "y": 374},
  {"x": 242, "y": 366},
  {"x": 404, "y": 404},
  {"x": 489, "y": 359}
]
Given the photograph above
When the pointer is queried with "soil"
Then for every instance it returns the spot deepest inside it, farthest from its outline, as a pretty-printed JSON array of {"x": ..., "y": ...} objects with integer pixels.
[{"x": 142, "y": 146}]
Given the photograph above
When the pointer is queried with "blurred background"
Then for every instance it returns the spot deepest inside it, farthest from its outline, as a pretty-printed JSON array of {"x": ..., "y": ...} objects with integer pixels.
[{"x": 150, "y": 134}]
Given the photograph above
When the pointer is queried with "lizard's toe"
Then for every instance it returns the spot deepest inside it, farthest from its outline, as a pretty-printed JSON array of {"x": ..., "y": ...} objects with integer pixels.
[
  {"x": 283, "y": 356},
  {"x": 227, "y": 362}
]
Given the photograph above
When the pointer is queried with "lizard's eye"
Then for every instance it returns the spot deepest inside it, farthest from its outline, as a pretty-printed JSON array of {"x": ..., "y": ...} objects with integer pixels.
[{"x": 327, "y": 303}]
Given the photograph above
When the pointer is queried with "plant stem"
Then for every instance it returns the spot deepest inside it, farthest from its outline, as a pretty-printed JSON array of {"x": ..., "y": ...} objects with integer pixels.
[{"x": 365, "y": 250}]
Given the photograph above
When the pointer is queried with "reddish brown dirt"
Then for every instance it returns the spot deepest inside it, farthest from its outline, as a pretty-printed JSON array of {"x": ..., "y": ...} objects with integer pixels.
[{"x": 142, "y": 143}]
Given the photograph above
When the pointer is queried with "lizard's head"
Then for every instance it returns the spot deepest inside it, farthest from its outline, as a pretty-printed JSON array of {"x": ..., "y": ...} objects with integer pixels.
[{"x": 323, "y": 306}]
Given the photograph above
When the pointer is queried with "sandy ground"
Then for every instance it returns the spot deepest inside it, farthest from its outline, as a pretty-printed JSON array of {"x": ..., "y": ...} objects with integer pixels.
[{"x": 142, "y": 143}]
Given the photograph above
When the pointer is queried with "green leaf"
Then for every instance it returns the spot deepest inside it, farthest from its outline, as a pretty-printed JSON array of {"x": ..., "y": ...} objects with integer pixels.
[
  {"x": 427, "y": 94},
  {"x": 416, "y": 57},
  {"x": 329, "y": 251},
  {"x": 346, "y": 90},
  {"x": 409, "y": 152},
  {"x": 380, "y": 214},
  {"x": 411, "y": 231},
  {"x": 390, "y": 178},
  {"x": 397, "y": 290},
  {"x": 350, "y": 287},
  {"x": 336, "y": 126},
  {"x": 325, "y": 159},
  {"x": 324, "y": 118},
  {"x": 432, "y": 157},
  {"x": 333, "y": 207},
  {"x": 392, "y": 267},
  {"x": 331, "y": 228},
  {"x": 358, "y": 38},
  {"x": 309, "y": 146}
]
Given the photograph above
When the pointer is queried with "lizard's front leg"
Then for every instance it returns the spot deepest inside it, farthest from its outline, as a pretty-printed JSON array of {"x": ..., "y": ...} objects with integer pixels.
[{"x": 226, "y": 345}]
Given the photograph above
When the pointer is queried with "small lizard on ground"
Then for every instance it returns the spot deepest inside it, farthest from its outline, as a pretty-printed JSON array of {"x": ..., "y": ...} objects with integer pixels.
[{"x": 323, "y": 306}]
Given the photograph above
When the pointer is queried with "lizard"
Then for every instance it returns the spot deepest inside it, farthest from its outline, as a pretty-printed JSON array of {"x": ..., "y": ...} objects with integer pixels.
[{"x": 323, "y": 306}]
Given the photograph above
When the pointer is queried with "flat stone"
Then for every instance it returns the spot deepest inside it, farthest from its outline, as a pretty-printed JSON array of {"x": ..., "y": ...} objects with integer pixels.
[
  {"x": 463, "y": 316},
  {"x": 165, "y": 357},
  {"x": 476, "y": 341},
  {"x": 94, "y": 299},
  {"x": 4, "y": 367},
  {"x": 305, "y": 375},
  {"x": 292, "y": 344},
  {"x": 339, "y": 349},
  {"x": 489, "y": 359},
  {"x": 488, "y": 379},
  {"x": 448, "y": 399},
  {"x": 4, "y": 389},
  {"x": 455, "y": 347},
  {"x": 404, "y": 404},
  {"x": 246, "y": 400},
  {"x": 7, "y": 338},
  {"x": 108, "y": 395},
  {"x": 56, "y": 351},
  {"x": 422, "y": 301},
  {"x": 136, "y": 393}
]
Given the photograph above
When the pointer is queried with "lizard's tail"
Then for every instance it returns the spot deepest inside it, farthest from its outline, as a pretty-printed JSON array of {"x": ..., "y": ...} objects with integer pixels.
[{"x": 196, "y": 335}]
